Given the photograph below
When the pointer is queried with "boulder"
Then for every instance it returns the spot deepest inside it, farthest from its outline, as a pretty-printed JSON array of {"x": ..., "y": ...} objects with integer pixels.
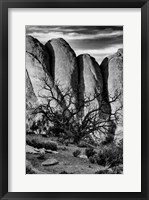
[
  {"x": 37, "y": 66},
  {"x": 50, "y": 151},
  {"x": 38, "y": 51},
  {"x": 64, "y": 65},
  {"x": 50, "y": 162},
  {"x": 30, "y": 149},
  {"x": 90, "y": 82},
  {"x": 83, "y": 156},
  {"x": 112, "y": 73},
  {"x": 115, "y": 80}
]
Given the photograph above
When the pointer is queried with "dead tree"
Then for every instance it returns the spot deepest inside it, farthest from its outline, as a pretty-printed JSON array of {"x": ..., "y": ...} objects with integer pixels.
[{"x": 67, "y": 116}]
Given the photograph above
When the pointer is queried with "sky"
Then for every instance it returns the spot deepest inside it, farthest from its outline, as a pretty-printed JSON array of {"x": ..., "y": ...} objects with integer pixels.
[{"x": 98, "y": 41}]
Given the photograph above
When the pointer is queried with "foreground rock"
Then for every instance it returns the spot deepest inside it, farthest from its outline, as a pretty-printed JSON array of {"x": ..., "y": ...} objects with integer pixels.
[
  {"x": 50, "y": 151},
  {"x": 83, "y": 156},
  {"x": 30, "y": 149},
  {"x": 50, "y": 162}
]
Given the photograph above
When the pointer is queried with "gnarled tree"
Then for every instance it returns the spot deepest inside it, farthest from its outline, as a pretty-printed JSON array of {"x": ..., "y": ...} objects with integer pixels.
[{"x": 77, "y": 120}]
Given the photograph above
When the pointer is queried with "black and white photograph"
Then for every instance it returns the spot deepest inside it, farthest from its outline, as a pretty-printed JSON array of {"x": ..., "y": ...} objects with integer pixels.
[{"x": 74, "y": 99}]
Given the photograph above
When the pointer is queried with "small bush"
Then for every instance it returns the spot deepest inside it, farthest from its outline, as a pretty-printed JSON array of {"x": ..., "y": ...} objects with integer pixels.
[
  {"x": 38, "y": 141},
  {"x": 92, "y": 160},
  {"x": 90, "y": 152},
  {"x": 113, "y": 170},
  {"x": 110, "y": 155},
  {"x": 66, "y": 142},
  {"x": 76, "y": 153},
  {"x": 117, "y": 170},
  {"x": 61, "y": 140},
  {"x": 41, "y": 157}
]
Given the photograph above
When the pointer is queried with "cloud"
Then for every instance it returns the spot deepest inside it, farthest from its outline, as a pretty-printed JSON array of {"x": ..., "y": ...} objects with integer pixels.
[{"x": 44, "y": 37}]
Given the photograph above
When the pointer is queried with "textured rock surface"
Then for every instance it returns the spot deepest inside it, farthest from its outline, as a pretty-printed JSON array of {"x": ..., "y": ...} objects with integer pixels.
[
  {"x": 50, "y": 162},
  {"x": 30, "y": 149},
  {"x": 91, "y": 81},
  {"x": 37, "y": 61},
  {"x": 115, "y": 80},
  {"x": 31, "y": 99},
  {"x": 38, "y": 51},
  {"x": 64, "y": 66},
  {"x": 82, "y": 156},
  {"x": 112, "y": 73}
]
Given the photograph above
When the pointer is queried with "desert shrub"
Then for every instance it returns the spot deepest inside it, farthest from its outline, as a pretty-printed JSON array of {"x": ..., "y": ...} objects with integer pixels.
[
  {"x": 92, "y": 159},
  {"x": 63, "y": 172},
  {"x": 41, "y": 154},
  {"x": 29, "y": 168},
  {"x": 61, "y": 140},
  {"x": 103, "y": 171},
  {"x": 38, "y": 141},
  {"x": 82, "y": 144},
  {"x": 63, "y": 148},
  {"x": 66, "y": 142},
  {"x": 41, "y": 157},
  {"x": 111, "y": 155},
  {"x": 113, "y": 170},
  {"x": 76, "y": 153},
  {"x": 90, "y": 152},
  {"x": 117, "y": 169}
]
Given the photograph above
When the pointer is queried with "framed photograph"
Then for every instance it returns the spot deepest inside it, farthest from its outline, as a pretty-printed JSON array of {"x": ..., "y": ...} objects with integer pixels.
[{"x": 73, "y": 99}]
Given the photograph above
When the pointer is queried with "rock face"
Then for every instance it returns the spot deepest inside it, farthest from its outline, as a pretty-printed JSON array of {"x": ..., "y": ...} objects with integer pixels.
[
  {"x": 112, "y": 72},
  {"x": 37, "y": 66},
  {"x": 38, "y": 51},
  {"x": 56, "y": 61},
  {"x": 115, "y": 80},
  {"x": 64, "y": 65},
  {"x": 90, "y": 80},
  {"x": 31, "y": 98},
  {"x": 91, "y": 83}
]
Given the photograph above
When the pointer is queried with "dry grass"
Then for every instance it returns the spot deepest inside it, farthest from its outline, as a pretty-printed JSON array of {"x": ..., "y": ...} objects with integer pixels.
[{"x": 38, "y": 141}]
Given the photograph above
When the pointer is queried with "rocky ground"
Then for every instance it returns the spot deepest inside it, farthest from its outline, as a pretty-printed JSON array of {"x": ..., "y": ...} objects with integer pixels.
[{"x": 61, "y": 162}]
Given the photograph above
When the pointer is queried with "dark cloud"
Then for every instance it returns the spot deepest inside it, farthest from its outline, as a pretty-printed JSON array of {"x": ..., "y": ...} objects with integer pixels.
[
  {"x": 72, "y": 29},
  {"x": 96, "y": 43}
]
